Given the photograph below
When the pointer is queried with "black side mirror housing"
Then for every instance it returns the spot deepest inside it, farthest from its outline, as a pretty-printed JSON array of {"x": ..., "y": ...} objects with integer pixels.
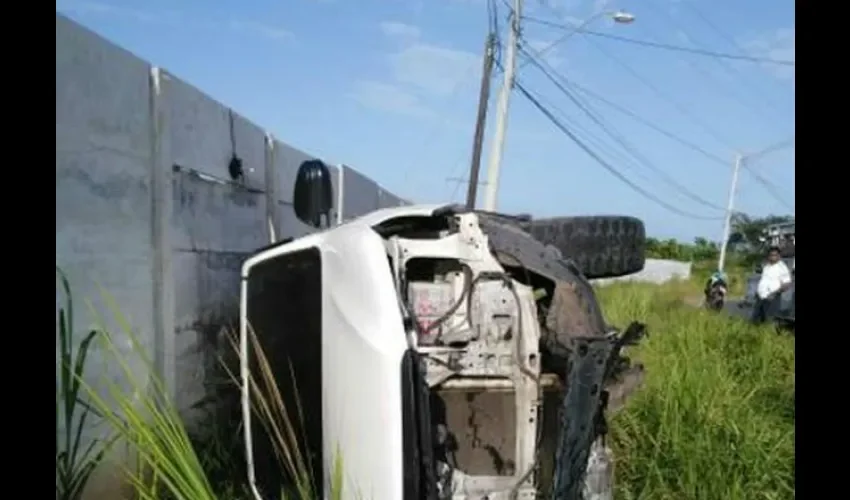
[{"x": 312, "y": 195}]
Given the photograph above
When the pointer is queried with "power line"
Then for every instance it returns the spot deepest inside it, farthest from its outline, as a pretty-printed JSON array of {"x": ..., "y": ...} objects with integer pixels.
[
  {"x": 592, "y": 139},
  {"x": 663, "y": 96},
  {"x": 768, "y": 186},
  {"x": 657, "y": 91},
  {"x": 699, "y": 14},
  {"x": 718, "y": 58},
  {"x": 665, "y": 46},
  {"x": 648, "y": 84},
  {"x": 612, "y": 170},
  {"x": 553, "y": 76},
  {"x": 771, "y": 188},
  {"x": 740, "y": 98},
  {"x": 647, "y": 123},
  {"x": 772, "y": 149}
]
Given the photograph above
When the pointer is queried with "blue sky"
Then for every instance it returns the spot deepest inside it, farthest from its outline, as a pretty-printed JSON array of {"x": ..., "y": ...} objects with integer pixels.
[{"x": 390, "y": 88}]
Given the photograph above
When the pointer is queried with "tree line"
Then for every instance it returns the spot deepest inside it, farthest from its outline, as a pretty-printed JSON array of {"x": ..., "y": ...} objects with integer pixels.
[{"x": 745, "y": 246}]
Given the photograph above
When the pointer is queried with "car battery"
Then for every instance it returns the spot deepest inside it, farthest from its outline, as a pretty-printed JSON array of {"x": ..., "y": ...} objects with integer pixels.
[{"x": 429, "y": 302}]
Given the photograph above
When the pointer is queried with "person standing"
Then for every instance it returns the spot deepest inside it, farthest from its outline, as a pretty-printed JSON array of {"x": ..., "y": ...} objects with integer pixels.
[{"x": 775, "y": 279}]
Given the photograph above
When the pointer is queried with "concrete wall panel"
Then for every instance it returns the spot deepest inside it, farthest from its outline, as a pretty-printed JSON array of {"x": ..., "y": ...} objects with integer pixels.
[
  {"x": 387, "y": 199},
  {"x": 102, "y": 95},
  {"x": 360, "y": 194},
  {"x": 211, "y": 215},
  {"x": 103, "y": 199},
  {"x": 291, "y": 226},
  {"x": 201, "y": 135},
  {"x": 106, "y": 235},
  {"x": 207, "y": 298}
]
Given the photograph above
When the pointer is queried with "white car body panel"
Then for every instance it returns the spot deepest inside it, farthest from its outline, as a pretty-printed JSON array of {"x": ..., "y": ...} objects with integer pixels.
[{"x": 364, "y": 342}]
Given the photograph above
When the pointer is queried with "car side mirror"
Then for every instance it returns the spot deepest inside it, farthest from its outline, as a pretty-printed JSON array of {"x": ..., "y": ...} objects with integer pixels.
[{"x": 313, "y": 193}]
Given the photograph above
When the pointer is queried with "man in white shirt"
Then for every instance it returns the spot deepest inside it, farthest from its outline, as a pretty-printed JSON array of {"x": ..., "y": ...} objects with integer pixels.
[{"x": 775, "y": 279}]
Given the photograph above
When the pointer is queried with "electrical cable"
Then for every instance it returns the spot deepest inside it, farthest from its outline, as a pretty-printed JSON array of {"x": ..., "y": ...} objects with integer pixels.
[
  {"x": 552, "y": 75},
  {"x": 726, "y": 65},
  {"x": 658, "y": 92},
  {"x": 670, "y": 135},
  {"x": 593, "y": 140},
  {"x": 590, "y": 138},
  {"x": 493, "y": 30},
  {"x": 666, "y": 46},
  {"x": 663, "y": 96},
  {"x": 770, "y": 188},
  {"x": 701, "y": 15},
  {"x": 604, "y": 164}
]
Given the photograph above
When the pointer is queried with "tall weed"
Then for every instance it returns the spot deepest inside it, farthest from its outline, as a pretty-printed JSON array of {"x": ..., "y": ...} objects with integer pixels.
[
  {"x": 715, "y": 419},
  {"x": 75, "y": 460},
  {"x": 165, "y": 461}
]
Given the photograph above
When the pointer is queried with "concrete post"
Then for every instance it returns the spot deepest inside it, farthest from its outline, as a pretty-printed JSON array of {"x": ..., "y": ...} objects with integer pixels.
[{"x": 164, "y": 355}]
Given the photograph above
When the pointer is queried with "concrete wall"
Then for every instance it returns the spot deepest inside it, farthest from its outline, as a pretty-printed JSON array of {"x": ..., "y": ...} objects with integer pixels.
[
  {"x": 655, "y": 271},
  {"x": 146, "y": 208}
]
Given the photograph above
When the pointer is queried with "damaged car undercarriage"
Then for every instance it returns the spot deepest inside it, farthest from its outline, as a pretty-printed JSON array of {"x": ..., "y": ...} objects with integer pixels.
[{"x": 508, "y": 369}]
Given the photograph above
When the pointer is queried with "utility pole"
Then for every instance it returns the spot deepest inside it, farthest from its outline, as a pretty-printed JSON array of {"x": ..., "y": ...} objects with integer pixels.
[
  {"x": 727, "y": 226},
  {"x": 481, "y": 121},
  {"x": 495, "y": 160}
]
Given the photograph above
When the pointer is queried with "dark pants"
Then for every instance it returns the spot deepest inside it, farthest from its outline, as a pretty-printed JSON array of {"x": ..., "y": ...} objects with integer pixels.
[{"x": 766, "y": 309}]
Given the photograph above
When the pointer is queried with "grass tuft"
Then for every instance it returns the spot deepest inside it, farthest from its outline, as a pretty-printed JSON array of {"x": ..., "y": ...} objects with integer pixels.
[{"x": 715, "y": 419}]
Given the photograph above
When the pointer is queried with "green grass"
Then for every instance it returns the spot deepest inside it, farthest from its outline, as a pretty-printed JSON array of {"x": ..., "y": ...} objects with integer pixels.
[{"x": 715, "y": 419}]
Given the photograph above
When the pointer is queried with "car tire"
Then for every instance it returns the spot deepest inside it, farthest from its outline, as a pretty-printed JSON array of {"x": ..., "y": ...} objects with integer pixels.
[{"x": 602, "y": 246}]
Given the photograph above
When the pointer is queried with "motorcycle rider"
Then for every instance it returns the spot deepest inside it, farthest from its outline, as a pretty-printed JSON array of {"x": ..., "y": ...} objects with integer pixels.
[{"x": 717, "y": 282}]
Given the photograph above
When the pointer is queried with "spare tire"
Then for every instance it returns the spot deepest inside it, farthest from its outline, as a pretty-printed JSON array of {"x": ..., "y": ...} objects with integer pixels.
[{"x": 602, "y": 246}]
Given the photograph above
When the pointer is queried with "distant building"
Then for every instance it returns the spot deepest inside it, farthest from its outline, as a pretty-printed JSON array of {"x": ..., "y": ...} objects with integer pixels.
[{"x": 780, "y": 235}]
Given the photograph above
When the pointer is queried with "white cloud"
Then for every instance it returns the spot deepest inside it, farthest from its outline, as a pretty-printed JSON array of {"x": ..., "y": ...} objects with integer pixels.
[
  {"x": 401, "y": 30},
  {"x": 251, "y": 28},
  {"x": 104, "y": 9},
  {"x": 434, "y": 69},
  {"x": 418, "y": 71},
  {"x": 260, "y": 29},
  {"x": 420, "y": 74},
  {"x": 779, "y": 44},
  {"x": 389, "y": 97}
]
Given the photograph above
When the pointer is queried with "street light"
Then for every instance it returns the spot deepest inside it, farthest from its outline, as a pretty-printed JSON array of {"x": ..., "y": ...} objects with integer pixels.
[
  {"x": 618, "y": 16},
  {"x": 622, "y": 17},
  {"x": 498, "y": 143}
]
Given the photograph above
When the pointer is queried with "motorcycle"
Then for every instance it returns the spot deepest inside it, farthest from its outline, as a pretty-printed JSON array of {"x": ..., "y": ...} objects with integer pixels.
[{"x": 715, "y": 292}]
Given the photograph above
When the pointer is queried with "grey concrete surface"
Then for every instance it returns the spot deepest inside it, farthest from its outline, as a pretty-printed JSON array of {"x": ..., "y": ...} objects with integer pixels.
[
  {"x": 146, "y": 209},
  {"x": 655, "y": 271}
]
